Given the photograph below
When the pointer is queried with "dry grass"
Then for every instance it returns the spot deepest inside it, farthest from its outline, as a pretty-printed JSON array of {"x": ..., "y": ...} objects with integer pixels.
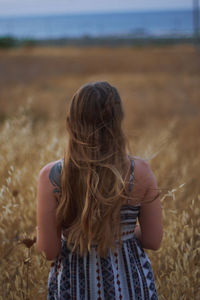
[{"x": 160, "y": 88}]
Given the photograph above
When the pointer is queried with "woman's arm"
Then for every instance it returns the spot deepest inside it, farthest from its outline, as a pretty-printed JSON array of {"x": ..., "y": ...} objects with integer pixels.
[
  {"x": 150, "y": 230},
  {"x": 48, "y": 235}
]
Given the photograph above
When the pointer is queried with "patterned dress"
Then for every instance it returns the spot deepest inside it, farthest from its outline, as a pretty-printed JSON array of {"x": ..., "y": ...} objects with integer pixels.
[{"x": 125, "y": 274}]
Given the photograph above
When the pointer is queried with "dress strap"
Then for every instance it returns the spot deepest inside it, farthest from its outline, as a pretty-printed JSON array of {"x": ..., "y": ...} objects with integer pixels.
[{"x": 131, "y": 176}]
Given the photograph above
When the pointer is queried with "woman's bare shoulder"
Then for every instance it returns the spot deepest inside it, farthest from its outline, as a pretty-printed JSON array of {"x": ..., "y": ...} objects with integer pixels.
[
  {"x": 141, "y": 167},
  {"x": 51, "y": 173},
  {"x": 145, "y": 181},
  {"x": 143, "y": 173}
]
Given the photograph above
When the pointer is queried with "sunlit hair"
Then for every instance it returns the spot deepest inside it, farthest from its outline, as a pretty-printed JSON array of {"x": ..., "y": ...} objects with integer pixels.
[{"x": 94, "y": 169}]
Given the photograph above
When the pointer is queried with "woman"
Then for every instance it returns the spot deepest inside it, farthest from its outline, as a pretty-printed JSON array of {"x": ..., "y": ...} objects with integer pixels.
[{"x": 88, "y": 203}]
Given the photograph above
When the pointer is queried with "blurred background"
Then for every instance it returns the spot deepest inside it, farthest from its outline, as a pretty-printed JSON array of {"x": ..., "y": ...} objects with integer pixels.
[
  {"x": 53, "y": 47},
  {"x": 48, "y": 49},
  {"x": 149, "y": 50}
]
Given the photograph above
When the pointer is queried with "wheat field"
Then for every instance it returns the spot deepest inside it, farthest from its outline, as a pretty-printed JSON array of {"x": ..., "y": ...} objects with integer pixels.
[{"x": 160, "y": 89}]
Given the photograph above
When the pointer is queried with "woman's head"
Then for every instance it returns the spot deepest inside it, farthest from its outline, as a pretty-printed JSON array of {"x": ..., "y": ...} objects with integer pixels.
[
  {"x": 93, "y": 169},
  {"x": 94, "y": 119}
]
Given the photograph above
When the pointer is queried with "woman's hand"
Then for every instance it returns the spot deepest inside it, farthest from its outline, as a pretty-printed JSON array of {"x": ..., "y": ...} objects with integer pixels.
[{"x": 137, "y": 232}]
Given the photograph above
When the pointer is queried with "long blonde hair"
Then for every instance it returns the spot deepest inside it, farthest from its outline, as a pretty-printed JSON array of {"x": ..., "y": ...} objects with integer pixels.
[{"x": 94, "y": 169}]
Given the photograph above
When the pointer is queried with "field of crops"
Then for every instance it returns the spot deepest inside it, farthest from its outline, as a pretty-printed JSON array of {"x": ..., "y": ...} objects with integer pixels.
[{"x": 160, "y": 88}]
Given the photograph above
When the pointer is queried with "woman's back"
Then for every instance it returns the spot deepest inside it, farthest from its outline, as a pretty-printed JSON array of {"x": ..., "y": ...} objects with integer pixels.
[{"x": 125, "y": 273}]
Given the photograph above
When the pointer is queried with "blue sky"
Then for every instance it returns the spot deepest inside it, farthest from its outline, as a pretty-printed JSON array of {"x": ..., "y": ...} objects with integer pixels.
[{"x": 36, "y": 7}]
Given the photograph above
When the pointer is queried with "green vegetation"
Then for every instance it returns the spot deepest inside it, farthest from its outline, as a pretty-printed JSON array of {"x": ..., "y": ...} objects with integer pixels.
[{"x": 10, "y": 42}]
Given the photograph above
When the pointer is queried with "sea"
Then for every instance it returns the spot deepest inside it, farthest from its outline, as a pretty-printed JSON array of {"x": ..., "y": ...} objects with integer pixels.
[{"x": 171, "y": 23}]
